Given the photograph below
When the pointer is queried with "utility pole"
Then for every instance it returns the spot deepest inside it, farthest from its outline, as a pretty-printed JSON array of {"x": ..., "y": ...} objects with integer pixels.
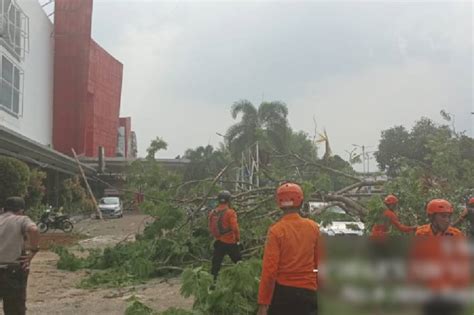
[
  {"x": 351, "y": 155},
  {"x": 472, "y": 124},
  {"x": 364, "y": 156},
  {"x": 368, "y": 164},
  {"x": 258, "y": 166},
  {"x": 368, "y": 159}
]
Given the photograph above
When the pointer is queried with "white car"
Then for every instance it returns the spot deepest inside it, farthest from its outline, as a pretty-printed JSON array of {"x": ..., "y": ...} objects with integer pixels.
[
  {"x": 341, "y": 224},
  {"x": 111, "y": 207},
  {"x": 344, "y": 228}
]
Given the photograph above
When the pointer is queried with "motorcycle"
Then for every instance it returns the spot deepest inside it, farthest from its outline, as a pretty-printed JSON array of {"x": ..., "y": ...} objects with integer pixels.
[{"x": 50, "y": 220}]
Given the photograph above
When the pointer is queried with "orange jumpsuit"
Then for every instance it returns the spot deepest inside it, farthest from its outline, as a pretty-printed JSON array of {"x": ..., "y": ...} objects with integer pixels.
[{"x": 290, "y": 257}]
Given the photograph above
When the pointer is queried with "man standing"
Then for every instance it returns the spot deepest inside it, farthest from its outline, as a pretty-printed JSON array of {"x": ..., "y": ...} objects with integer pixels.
[
  {"x": 15, "y": 227},
  {"x": 439, "y": 213},
  {"x": 441, "y": 261},
  {"x": 224, "y": 227},
  {"x": 389, "y": 218},
  {"x": 289, "y": 273}
]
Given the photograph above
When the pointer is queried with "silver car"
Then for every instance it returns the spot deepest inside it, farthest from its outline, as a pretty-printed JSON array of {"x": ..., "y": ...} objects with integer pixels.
[{"x": 111, "y": 207}]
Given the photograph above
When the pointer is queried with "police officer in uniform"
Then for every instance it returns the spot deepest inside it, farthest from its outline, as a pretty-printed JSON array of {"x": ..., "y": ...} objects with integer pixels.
[{"x": 15, "y": 229}]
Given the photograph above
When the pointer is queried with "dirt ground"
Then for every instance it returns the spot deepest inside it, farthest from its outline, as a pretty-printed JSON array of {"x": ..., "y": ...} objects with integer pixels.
[{"x": 52, "y": 291}]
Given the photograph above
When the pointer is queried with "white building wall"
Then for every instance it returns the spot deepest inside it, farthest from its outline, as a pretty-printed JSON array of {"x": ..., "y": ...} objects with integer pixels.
[{"x": 36, "y": 121}]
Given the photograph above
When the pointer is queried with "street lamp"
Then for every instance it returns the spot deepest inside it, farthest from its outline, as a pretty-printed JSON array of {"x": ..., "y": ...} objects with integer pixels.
[
  {"x": 351, "y": 155},
  {"x": 369, "y": 158},
  {"x": 226, "y": 141}
]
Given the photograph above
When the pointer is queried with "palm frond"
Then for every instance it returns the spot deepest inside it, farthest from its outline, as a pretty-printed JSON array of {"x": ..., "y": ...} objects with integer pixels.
[
  {"x": 245, "y": 107},
  {"x": 235, "y": 130}
]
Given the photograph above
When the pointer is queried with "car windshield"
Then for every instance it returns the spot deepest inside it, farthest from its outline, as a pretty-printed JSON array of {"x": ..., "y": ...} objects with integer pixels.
[
  {"x": 335, "y": 214},
  {"x": 109, "y": 201}
]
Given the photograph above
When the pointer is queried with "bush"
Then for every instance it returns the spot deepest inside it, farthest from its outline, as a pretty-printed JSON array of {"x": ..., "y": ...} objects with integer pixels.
[
  {"x": 35, "y": 194},
  {"x": 74, "y": 198},
  {"x": 14, "y": 178},
  {"x": 236, "y": 289},
  {"x": 110, "y": 278},
  {"x": 177, "y": 311},
  {"x": 138, "y": 308},
  {"x": 68, "y": 261}
]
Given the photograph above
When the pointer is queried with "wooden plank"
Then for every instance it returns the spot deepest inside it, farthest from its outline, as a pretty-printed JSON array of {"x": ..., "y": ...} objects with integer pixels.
[{"x": 97, "y": 210}]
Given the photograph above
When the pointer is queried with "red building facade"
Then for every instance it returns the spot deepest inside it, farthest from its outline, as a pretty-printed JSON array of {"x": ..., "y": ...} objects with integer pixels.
[{"x": 87, "y": 85}]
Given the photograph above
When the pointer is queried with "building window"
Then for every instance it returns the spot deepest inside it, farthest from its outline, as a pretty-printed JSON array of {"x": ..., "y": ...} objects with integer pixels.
[
  {"x": 11, "y": 79},
  {"x": 14, "y": 29},
  {"x": 121, "y": 142}
]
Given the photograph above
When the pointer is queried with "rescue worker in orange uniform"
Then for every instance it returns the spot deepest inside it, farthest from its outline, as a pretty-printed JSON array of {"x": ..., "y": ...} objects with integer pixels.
[
  {"x": 439, "y": 213},
  {"x": 224, "y": 226},
  {"x": 441, "y": 260},
  {"x": 380, "y": 231},
  {"x": 288, "y": 281},
  {"x": 467, "y": 213}
]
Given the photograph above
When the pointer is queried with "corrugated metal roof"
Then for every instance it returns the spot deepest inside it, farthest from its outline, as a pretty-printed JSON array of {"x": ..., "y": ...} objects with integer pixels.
[{"x": 16, "y": 145}]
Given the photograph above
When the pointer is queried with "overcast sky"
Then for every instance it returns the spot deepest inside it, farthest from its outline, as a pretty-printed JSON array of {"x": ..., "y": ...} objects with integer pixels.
[{"x": 357, "y": 67}]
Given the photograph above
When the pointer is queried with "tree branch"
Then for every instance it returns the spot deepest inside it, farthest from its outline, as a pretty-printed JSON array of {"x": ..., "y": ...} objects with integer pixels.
[
  {"x": 351, "y": 205},
  {"x": 197, "y": 181},
  {"x": 207, "y": 195},
  {"x": 256, "y": 207},
  {"x": 360, "y": 184},
  {"x": 254, "y": 191},
  {"x": 326, "y": 168}
]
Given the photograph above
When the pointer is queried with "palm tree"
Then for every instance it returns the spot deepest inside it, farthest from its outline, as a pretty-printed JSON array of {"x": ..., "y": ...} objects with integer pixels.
[
  {"x": 205, "y": 162},
  {"x": 266, "y": 124}
]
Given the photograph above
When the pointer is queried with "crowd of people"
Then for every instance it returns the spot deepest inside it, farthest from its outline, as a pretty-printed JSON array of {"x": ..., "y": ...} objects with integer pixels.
[{"x": 289, "y": 279}]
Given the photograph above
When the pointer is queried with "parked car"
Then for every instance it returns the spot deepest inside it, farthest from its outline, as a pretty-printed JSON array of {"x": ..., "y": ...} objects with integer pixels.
[
  {"x": 355, "y": 228},
  {"x": 335, "y": 221},
  {"x": 111, "y": 207}
]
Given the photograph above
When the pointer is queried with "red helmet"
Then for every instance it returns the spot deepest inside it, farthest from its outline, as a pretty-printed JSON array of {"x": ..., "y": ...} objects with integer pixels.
[
  {"x": 439, "y": 206},
  {"x": 470, "y": 202},
  {"x": 289, "y": 195},
  {"x": 390, "y": 200}
]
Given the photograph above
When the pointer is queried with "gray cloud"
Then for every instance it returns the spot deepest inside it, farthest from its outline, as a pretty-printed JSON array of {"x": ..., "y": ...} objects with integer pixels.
[{"x": 358, "y": 67}]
